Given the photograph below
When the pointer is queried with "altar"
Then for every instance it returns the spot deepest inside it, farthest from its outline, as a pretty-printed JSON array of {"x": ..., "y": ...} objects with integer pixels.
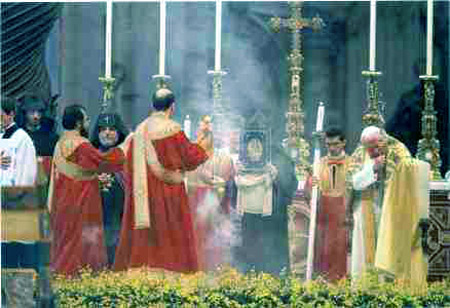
[{"x": 438, "y": 240}]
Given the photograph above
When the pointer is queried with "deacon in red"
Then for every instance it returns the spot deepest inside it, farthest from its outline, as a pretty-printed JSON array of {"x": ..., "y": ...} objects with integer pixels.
[
  {"x": 157, "y": 228},
  {"x": 74, "y": 197}
]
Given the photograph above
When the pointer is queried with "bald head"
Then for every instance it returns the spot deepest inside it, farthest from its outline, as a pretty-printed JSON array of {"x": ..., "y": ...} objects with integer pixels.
[
  {"x": 374, "y": 139},
  {"x": 163, "y": 99},
  {"x": 373, "y": 134}
]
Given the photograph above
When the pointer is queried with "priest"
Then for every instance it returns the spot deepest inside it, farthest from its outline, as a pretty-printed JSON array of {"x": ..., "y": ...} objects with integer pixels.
[
  {"x": 110, "y": 131},
  {"x": 74, "y": 197},
  {"x": 210, "y": 198},
  {"x": 157, "y": 227},
  {"x": 42, "y": 132},
  {"x": 37, "y": 125},
  {"x": 374, "y": 165}
]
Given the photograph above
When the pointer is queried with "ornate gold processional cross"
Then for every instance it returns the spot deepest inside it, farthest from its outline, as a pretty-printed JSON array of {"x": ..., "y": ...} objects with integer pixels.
[
  {"x": 297, "y": 212},
  {"x": 295, "y": 114}
]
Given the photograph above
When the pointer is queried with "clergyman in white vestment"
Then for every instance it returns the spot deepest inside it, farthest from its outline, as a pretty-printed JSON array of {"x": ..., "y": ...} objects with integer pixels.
[{"x": 17, "y": 147}]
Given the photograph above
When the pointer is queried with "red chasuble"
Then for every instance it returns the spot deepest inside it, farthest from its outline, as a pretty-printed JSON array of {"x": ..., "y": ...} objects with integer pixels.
[
  {"x": 168, "y": 240},
  {"x": 331, "y": 244},
  {"x": 75, "y": 204}
]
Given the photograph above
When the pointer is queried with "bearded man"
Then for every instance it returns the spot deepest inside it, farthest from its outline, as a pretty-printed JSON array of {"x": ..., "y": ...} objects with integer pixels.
[
  {"x": 74, "y": 198},
  {"x": 110, "y": 131}
]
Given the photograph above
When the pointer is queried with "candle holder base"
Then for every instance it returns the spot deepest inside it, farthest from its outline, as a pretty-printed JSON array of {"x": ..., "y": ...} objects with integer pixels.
[
  {"x": 433, "y": 78},
  {"x": 371, "y": 73},
  {"x": 220, "y": 73},
  {"x": 162, "y": 81},
  {"x": 429, "y": 146}
]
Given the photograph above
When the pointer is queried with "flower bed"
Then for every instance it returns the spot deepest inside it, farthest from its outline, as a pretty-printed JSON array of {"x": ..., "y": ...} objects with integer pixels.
[{"x": 229, "y": 288}]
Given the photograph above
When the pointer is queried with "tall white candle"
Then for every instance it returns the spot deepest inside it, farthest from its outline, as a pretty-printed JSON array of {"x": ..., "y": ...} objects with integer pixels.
[
  {"x": 320, "y": 115},
  {"x": 314, "y": 198},
  {"x": 429, "y": 37},
  {"x": 162, "y": 37},
  {"x": 373, "y": 29},
  {"x": 108, "y": 38},
  {"x": 187, "y": 126},
  {"x": 217, "y": 63}
]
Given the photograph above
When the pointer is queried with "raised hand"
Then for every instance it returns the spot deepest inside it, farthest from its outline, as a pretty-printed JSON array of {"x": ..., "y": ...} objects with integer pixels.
[{"x": 379, "y": 163}]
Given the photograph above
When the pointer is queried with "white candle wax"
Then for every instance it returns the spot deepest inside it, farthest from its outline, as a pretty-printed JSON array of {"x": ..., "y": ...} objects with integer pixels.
[
  {"x": 108, "y": 38},
  {"x": 187, "y": 126},
  {"x": 429, "y": 37},
  {"x": 217, "y": 63},
  {"x": 162, "y": 37},
  {"x": 373, "y": 26},
  {"x": 320, "y": 115}
]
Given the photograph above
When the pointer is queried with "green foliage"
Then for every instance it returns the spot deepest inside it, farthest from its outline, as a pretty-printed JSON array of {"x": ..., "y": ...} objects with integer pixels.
[{"x": 228, "y": 288}]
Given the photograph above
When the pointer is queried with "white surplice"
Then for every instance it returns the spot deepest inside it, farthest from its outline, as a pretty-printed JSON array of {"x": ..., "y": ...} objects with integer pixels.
[{"x": 23, "y": 168}]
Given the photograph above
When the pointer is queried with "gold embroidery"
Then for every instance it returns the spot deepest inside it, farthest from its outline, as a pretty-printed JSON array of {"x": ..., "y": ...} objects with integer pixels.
[
  {"x": 155, "y": 127},
  {"x": 66, "y": 146},
  {"x": 334, "y": 184}
]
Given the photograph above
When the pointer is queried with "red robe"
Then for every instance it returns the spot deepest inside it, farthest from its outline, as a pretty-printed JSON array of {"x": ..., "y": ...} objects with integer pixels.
[
  {"x": 331, "y": 241},
  {"x": 76, "y": 213},
  {"x": 169, "y": 243}
]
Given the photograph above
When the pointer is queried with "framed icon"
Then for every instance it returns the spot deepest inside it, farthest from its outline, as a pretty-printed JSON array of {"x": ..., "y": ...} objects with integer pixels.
[{"x": 254, "y": 149}]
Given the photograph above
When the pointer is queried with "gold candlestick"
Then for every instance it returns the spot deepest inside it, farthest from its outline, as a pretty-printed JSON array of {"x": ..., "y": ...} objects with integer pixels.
[
  {"x": 217, "y": 92},
  {"x": 429, "y": 146},
  {"x": 108, "y": 92},
  {"x": 372, "y": 115},
  {"x": 221, "y": 112}
]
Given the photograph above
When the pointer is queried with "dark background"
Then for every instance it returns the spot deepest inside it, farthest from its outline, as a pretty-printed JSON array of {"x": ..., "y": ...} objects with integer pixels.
[{"x": 70, "y": 61}]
